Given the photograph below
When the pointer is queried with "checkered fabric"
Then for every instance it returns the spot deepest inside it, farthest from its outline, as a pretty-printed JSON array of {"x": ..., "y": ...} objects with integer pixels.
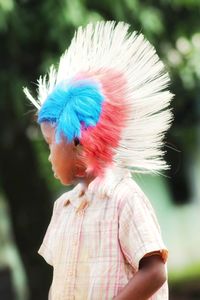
[{"x": 96, "y": 239}]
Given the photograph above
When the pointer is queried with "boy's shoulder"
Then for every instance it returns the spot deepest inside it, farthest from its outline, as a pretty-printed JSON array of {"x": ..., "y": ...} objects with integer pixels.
[
  {"x": 129, "y": 188},
  {"x": 129, "y": 194},
  {"x": 120, "y": 186}
]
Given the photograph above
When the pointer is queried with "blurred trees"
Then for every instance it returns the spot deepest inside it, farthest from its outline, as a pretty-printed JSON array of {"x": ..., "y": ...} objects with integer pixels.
[{"x": 33, "y": 35}]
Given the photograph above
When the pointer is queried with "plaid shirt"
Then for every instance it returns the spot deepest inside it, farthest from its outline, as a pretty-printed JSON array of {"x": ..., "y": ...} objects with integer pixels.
[{"x": 95, "y": 240}]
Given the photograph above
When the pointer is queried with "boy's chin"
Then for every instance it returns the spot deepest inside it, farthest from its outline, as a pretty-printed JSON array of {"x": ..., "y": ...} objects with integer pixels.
[{"x": 67, "y": 181}]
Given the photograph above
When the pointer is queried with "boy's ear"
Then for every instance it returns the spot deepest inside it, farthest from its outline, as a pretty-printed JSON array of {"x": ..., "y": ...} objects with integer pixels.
[{"x": 76, "y": 142}]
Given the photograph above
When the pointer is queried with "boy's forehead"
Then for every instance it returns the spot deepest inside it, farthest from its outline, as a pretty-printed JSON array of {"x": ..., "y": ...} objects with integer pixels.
[{"x": 47, "y": 130}]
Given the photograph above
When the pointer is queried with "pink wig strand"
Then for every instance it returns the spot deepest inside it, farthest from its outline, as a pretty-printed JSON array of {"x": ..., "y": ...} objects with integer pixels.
[{"x": 100, "y": 141}]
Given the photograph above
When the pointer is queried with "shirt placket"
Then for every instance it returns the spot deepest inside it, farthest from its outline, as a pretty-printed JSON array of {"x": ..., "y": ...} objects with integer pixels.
[{"x": 75, "y": 252}]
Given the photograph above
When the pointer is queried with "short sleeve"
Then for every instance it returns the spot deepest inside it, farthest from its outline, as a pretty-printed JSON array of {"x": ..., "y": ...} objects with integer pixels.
[
  {"x": 139, "y": 231},
  {"x": 46, "y": 249}
]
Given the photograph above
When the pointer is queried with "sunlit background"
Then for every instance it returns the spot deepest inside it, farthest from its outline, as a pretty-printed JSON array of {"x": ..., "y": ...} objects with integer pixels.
[{"x": 33, "y": 35}]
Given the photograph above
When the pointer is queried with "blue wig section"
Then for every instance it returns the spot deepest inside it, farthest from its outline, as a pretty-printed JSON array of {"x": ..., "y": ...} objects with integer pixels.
[{"x": 72, "y": 106}]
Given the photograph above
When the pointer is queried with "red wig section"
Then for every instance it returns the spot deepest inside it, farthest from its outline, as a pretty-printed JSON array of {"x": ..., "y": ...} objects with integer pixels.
[{"x": 99, "y": 142}]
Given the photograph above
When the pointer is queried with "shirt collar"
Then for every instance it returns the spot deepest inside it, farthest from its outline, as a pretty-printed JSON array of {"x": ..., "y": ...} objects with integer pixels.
[
  {"x": 79, "y": 194},
  {"x": 102, "y": 188}
]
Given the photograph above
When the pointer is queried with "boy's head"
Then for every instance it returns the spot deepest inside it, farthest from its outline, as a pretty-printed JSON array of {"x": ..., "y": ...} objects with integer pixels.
[
  {"x": 65, "y": 158},
  {"x": 77, "y": 110},
  {"x": 69, "y": 109},
  {"x": 109, "y": 92}
]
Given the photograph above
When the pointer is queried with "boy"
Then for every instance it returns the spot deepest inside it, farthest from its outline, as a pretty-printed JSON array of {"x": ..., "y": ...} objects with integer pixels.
[{"x": 103, "y": 112}]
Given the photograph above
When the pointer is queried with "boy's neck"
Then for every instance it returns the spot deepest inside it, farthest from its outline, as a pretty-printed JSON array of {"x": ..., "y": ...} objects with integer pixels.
[{"x": 87, "y": 180}]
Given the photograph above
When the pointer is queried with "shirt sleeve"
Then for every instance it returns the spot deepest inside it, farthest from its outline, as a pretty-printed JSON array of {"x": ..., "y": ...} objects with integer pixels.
[
  {"x": 46, "y": 249},
  {"x": 139, "y": 231}
]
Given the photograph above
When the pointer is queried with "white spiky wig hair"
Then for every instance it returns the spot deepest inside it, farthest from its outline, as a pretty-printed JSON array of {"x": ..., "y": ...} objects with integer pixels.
[{"x": 110, "y": 91}]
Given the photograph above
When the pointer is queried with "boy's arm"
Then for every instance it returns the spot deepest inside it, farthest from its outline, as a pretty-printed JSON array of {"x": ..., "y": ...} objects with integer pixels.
[{"x": 149, "y": 278}]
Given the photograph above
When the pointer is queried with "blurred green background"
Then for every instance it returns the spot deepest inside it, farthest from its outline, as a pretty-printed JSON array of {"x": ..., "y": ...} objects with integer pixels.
[{"x": 33, "y": 34}]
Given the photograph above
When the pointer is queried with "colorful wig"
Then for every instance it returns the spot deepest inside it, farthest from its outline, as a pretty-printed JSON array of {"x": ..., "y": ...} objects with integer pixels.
[{"x": 109, "y": 92}]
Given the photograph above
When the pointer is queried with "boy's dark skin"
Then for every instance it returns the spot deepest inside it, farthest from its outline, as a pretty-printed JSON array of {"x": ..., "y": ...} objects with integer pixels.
[{"x": 67, "y": 167}]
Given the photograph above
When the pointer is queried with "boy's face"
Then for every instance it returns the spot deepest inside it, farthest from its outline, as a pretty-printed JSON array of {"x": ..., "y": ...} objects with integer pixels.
[{"x": 63, "y": 157}]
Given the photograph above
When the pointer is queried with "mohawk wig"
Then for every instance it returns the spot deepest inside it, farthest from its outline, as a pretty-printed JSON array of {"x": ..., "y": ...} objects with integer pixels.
[{"x": 110, "y": 92}]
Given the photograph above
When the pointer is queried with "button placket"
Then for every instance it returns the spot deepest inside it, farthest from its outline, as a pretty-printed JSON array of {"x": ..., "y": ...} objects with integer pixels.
[{"x": 75, "y": 246}]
